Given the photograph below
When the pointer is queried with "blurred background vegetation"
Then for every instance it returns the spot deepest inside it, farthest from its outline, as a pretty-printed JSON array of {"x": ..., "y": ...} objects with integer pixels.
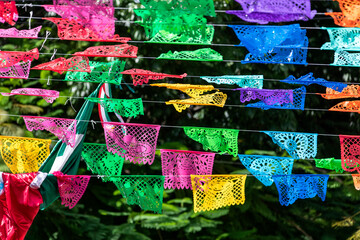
[{"x": 103, "y": 214}]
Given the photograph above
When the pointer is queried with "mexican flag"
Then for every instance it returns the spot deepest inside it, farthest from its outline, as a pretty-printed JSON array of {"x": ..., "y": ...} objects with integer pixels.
[{"x": 63, "y": 157}]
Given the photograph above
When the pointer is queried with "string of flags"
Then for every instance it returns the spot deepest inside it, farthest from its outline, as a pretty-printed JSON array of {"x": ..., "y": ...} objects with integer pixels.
[{"x": 48, "y": 175}]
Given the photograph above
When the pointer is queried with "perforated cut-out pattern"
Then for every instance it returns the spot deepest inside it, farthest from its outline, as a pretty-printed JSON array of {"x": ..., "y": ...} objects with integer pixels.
[
  {"x": 266, "y": 17},
  {"x": 102, "y": 162},
  {"x": 176, "y": 22},
  {"x": 123, "y": 107},
  {"x": 95, "y": 15},
  {"x": 20, "y": 70},
  {"x": 342, "y": 38},
  {"x": 351, "y": 91},
  {"x": 308, "y": 79},
  {"x": 298, "y": 103},
  {"x": 356, "y": 179},
  {"x": 212, "y": 192},
  {"x": 278, "y": 6},
  {"x": 215, "y": 139},
  {"x": 8, "y": 12},
  {"x": 298, "y": 145},
  {"x": 300, "y": 186},
  {"x": 350, "y": 153},
  {"x": 264, "y": 167},
  {"x": 330, "y": 164},
  {"x": 101, "y": 72},
  {"x": 343, "y": 20},
  {"x": 178, "y": 165},
  {"x": 202, "y": 37},
  {"x": 141, "y": 76},
  {"x": 344, "y": 58},
  {"x": 24, "y": 155},
  {"x": 15, "y": 33},
  {"x": 61, "y": 65},
  {"x": 71, "y": 188},
  {"x": 215, "y": 99},
  {"x": 145, "y": 191},
  {"x": 267, "y": 96},
  {"x": 138, "y": 140},
  {"x": 123, "y": 50},
  {"x": 280, "y": 55},
  {"x": 64, "y": 129},
  {"x": 244, "y": 81},
  {"x": 73, "y": 30},
  {"x": 48, "y": 95},
  {"x": 8, "y": 58},
  {"x": 347, "y": 106},
  {"x": 200, "y": 7},
  {"x": 260, "y": 40},
  {"x": 204, "y": 54}
]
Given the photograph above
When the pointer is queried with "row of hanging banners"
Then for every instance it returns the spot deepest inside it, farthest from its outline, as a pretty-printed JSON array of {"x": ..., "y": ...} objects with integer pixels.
[{"x": 46, "y": 176}]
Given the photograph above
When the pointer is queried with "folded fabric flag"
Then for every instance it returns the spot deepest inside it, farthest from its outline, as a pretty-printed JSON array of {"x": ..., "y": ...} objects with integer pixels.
[
  {"x": 24, "y": 155},
  {"x": 342, "y": 38},
  {"x": 298, "y": 145},
  {"x": 200, "y": 7},
  {"x": 204, "y": 54},
  {"x": 137, "y": 140},
  {"x": 264, "y": 167},
  {"x": 264, "y": 11},
  {"x": 102, "y": 162},
  {"x": 267, "y": 96},
  {"x": 347, "y": 106},
  {"x": 20, "y": 70},
  {"x": 298, "y": 103},
  {"x": 217, "y": 99},
  {"x": 244, "y": 81},
  {"x": 356, "y": 179},
  {"x": 344, "y": 58},
  {"x": 19, "y": 205},
  {"x": 350, "y": 153},
  {"x": 215, "y": 139},
  {"x": 15, "y": 33},
  {"x": 330, "y": 164},
  {"x": 212, "y": 192},
  {"x": 64, "y": 129},
  {"x": 300, "y": 186},
  {"x": 95, "y": 15},
  {"x": 74, "y": 30},
  {"x": 10, "y": 58},
  {"x": 145, "y": 190},
  {"x": 71, "y": 188},
  {"x": 351, "y": 91},
  {"x": 123, "y": 50},
  {"x": 48, "y": 95},
  {"x": 349, "y": 15},
  {"x": 141, "y": 76},
  {"x": 273, "y": 44},
  {"x": 123, "y": 107},
  {"x": 101, "y": 72},
  {"x": 64, "y": 158},
  {"x": 308, "y": 79},
  {"x": 8, "y": 12},
  {"x": 61, "y": 65},
  {"x": 178, "y": 165}
]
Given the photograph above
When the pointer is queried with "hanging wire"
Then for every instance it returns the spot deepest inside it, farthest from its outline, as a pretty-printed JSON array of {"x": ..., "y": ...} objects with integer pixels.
[
  {"x": 212, "y": 24},
  {"x": 181, "y": 127}
]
